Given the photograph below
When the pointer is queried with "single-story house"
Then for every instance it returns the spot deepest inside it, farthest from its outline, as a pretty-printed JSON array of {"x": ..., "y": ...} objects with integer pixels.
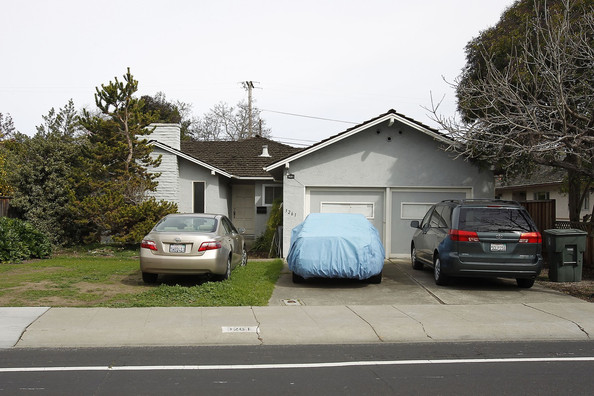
[
  {"x": 544, "y": 183},
  {"x": 390, "y": 168},
  {"x": 224, "y": 177}
]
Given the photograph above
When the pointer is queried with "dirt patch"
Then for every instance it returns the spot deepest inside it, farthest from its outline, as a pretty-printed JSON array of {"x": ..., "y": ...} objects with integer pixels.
[
  {"x": 583, "y": 289},
  {"x": 79, "y": 294}
]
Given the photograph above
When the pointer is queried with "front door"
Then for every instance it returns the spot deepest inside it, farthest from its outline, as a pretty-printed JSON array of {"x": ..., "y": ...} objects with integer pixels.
[{"x": 243, "y": 208}]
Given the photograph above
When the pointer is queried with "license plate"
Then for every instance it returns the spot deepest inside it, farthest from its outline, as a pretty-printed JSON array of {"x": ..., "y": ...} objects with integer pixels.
[
  {"x": 498, "y": 247},
  {"x": 177, "y": 248}
]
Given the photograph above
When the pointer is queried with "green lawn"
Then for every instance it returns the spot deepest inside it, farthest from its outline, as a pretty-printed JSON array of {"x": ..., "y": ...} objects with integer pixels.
[{"x": 111, "y": 278}]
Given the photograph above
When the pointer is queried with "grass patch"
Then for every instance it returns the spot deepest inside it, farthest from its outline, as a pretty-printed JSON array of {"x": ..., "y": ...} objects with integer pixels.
[
  {"x": 248, "y": 286},
  {"x": 111, "y": 278}
]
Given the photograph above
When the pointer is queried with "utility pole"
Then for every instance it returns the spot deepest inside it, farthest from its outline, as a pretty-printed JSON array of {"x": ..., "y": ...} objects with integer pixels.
[{"x": 248, "y": 86}]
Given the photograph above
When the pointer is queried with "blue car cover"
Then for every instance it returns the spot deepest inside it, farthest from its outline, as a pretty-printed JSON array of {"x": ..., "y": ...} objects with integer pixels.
[{"x": 336, "y": 245}]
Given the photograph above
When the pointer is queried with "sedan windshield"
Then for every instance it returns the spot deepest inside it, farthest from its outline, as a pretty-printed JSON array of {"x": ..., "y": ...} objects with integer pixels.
[
  {"x": 493, "y": 220},
  {"x": 187, "y": 224}
]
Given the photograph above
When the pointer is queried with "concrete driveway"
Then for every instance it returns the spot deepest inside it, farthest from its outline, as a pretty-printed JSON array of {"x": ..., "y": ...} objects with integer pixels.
[{"x": 404, "y": 286}]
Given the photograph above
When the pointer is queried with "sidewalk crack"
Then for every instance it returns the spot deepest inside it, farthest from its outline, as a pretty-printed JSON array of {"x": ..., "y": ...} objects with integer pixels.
[
  {"x": 29, "y": 325},
  {"x": 418, "y": 321},
  {"x": 258, "y": 326},
  {"x": 560, "y": 317},
  {"x": 369, "y": 324}
]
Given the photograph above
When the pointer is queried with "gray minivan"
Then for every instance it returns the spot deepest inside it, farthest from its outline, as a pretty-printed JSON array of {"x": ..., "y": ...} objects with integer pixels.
[{"x": 478, "y": 238}]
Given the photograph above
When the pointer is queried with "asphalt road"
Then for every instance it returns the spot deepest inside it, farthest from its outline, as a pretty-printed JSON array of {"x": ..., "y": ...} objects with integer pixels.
[{"x": 544, "y": 368}]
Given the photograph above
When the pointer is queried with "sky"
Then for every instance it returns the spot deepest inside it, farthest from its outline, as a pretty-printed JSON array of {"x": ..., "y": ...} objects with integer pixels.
[{"x": 311, "y": 61}]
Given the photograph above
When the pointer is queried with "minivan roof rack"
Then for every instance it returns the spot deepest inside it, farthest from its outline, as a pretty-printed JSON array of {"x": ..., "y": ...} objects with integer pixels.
[{"x": 482, "y": 200}]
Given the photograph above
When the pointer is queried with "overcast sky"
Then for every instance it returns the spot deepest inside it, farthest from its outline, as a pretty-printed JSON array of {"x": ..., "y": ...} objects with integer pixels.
[{"x": 340, "y": 60}]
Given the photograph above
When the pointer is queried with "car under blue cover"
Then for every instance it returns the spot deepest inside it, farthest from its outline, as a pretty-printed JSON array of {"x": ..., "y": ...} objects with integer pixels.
[{"x": 336, "y": 245}]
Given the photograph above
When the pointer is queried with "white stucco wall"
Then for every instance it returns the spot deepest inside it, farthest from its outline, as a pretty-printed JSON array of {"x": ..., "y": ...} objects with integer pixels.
[
  {"x": 379, "y": 157},
  {"x": 168, "y": 188}
]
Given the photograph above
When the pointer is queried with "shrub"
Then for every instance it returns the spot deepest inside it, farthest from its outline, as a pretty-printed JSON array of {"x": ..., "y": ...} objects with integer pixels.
[
  {"x": 263, "y": 244},
  {"x": 19, "y": 241}
]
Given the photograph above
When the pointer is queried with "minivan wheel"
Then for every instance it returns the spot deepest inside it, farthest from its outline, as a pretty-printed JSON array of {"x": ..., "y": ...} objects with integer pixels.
[
  {"x": 525, "y": 283},
  {"x": 440, "y": 278},
  {"x": 413, "y": 258}
]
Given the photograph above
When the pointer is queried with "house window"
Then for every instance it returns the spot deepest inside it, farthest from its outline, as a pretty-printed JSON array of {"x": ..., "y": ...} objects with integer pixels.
[
  {"x": 199, "y": 188},
  {"x": 364, "y": 208},
  {"x": 540, "y": 196},
  {"x": 414, "y": 210},
  {"x": 272, "y": 193}
]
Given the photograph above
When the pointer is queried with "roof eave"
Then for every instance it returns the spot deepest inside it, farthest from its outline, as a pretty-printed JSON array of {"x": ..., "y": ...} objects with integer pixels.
[
  {"x": 190, "y": 158},
  {"x": 391, "y": 117}
]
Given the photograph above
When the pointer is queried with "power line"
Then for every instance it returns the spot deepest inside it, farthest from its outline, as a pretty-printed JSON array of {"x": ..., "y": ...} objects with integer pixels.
[
  {"x": 307, "y": 116},
  {"x": 297, "y": 140},
  {"x": 293, "y": 141}
]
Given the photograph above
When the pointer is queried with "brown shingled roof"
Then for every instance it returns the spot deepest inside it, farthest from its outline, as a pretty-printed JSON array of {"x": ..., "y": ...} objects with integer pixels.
[{"x": 239, "y": 158}]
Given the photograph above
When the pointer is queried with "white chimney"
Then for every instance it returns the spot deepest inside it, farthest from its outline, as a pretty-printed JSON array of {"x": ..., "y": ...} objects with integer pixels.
[
  {"x": 168, "y": 134},
  {"x": 264, "y": 151}
]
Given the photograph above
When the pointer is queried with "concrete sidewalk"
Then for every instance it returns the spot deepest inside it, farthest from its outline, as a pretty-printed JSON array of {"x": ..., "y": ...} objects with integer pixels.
[{"x": 115, "y": 327}]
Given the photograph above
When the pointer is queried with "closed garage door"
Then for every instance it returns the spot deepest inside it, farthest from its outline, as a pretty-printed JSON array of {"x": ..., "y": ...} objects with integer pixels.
[
  {"x": 369, "y": 202},
  {"x": 410, "y": 205}
]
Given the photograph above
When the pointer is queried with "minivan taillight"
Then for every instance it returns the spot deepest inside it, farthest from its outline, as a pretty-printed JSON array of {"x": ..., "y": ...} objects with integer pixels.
[
  {"x": 211, "y": 245},
  {"x": 530, "y": 237},
  {"x": 147, "y": 244},
  {"x": 463, "y": 236}
]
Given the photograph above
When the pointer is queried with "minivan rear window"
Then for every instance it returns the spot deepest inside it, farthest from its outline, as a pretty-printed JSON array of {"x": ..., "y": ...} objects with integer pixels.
[{"x": 493, "y": 220}]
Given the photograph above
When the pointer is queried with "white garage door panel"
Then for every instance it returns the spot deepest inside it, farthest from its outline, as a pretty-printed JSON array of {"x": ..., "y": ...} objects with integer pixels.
[
  {"x": 366, "y": 209},
  {"x": 412, "y": 205},
  {"x": 368, "y": 202}
]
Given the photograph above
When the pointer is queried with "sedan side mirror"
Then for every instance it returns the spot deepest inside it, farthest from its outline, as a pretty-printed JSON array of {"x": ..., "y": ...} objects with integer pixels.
[
  {"x": 414, "y": 224},
  {"x": 241, "y": 230}
]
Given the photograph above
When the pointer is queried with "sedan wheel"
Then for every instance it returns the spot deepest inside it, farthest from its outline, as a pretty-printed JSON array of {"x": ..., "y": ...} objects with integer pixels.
[
  {"x": 149, "y": 278},
  {"x": 440, "y": 278},
  {"x": 297, "y": 278},
  {"x": 375, "y": 279},
  {"x": 227, "y": 273},
  {"x": 244, "y": 257}
]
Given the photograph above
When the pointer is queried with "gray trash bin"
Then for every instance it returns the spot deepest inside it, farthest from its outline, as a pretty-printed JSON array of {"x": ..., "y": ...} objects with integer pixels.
[{"x": 566, "y": 254}]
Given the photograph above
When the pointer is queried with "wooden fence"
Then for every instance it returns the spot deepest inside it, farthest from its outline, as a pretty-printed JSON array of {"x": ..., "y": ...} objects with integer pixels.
[{"x": 543, "y": 213}]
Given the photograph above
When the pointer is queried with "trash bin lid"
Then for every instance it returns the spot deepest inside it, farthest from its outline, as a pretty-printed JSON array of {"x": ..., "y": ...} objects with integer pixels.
[{"x": 565, "y": 232}]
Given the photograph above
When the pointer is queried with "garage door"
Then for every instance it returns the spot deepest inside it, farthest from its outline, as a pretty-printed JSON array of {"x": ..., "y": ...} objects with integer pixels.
[
  {"x": 368, "y": 202},
  {"x": 410, "y": 205}
]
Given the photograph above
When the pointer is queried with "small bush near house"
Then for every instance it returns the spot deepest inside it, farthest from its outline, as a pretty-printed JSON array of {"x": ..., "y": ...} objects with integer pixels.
[
  {"x": 19, "y": 241},
  {"x": 262, "y": 245}
]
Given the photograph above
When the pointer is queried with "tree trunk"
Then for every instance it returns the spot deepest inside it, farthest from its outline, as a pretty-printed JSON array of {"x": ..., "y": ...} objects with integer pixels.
[{"x": 574, "y": 195}]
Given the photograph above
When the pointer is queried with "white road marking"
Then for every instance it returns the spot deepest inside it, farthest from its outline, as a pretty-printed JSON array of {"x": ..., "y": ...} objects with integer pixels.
[{"x": 275, "y": 366}]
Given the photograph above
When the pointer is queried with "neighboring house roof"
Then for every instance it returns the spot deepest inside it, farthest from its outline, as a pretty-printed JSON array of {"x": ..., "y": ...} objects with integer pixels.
[
  {"x": 171, "y": 150},
  {"x": 391, "y": 116},
  {"x": 238, "y": 159},
  {"x": 539, "y": 177}
]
